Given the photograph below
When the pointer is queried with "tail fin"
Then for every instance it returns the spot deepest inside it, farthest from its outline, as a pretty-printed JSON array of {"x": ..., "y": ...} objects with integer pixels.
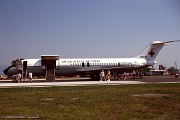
[{"x": 152, "y": 50}]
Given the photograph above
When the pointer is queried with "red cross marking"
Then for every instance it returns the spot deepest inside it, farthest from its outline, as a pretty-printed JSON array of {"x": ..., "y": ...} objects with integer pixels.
[{"x": 151, "y": 53}]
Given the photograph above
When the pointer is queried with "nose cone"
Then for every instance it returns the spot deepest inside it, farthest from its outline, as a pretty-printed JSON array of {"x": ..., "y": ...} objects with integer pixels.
[
  {"x": 10, "y": 70},
  {"x": 6, "y": 70}
]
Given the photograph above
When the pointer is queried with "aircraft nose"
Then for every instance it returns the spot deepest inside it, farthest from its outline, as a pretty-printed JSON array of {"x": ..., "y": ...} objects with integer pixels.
[
  {"x": 6, "y": 70},
  {"x": 10, "y": 70}
]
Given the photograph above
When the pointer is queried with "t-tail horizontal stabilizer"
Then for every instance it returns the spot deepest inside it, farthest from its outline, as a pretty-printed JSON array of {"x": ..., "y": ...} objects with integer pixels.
[{"x": 152, "y": 50}]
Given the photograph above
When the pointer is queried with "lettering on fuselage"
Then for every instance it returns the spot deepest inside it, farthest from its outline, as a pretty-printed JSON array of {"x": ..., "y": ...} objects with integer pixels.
[{"x": 80, "y": 61}]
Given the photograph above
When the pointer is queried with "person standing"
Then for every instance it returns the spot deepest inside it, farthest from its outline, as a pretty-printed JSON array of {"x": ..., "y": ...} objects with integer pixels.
[
  {"x": 137, "y": 74},
  {"x": 14, "y": 78},
  {"x": 134, "y": 74},
  {"x": 140, "y": 74},
  {"x": 17, "y": 78},
  {"x": 20, "y": 77},
  {"x": 125, "y": 76},
  {"x": 30, "y": 77},
  {"x": 108, "y": 75},
  {"x": 102, "y": 75},
  {"x": 115, "y": 75}
]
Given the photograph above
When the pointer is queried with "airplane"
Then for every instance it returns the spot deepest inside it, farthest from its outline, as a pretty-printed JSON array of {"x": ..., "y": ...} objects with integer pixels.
[{"x": 93, "y": 66}]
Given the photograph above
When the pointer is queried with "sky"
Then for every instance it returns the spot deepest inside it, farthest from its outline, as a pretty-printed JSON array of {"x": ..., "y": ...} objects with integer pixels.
[{"x": 88, "y": 28}]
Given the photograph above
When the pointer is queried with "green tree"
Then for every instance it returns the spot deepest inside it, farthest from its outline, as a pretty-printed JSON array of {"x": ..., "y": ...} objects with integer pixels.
[{"x": 17, "y": 62}]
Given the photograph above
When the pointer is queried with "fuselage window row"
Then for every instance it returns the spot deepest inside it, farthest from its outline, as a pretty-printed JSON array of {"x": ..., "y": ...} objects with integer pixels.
[{"x": 93, "y": 64}]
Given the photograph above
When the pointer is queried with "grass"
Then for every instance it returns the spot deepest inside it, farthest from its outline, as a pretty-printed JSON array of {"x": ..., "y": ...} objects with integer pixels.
[{"x": 92, "y": 102}]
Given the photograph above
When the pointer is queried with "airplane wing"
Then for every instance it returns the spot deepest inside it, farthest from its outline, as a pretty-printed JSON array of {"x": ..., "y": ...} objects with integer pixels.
[{"x": 117, "y": 69}]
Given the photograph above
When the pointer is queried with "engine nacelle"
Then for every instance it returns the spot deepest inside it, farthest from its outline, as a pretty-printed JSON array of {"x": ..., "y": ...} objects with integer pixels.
[{"x": 151, "y": 62}]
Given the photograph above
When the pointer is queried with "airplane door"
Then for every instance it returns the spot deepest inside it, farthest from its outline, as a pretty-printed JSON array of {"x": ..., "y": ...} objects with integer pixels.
[
  {"x": 83, "y": 64},
  {"x": 24, "y": 65},
  {"x": 24, "y": 71},
  {"x": 88, "y": 65}
]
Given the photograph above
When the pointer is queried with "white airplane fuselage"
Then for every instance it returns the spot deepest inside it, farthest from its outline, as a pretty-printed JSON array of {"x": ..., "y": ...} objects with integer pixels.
[
  {"x": 93, "y": 66},
  {"x": 87, "y": 65}
]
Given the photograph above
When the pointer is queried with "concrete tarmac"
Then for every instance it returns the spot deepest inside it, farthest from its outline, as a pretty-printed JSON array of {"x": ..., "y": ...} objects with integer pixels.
[{"x": 88, "y": 82}]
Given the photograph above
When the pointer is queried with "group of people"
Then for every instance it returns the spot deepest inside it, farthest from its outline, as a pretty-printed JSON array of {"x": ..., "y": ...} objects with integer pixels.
[
  {"x": 120, "y": 76},
  {"x": 18, "y": 77},
  {"x": 106, "y": 77},
  {"x": 136, "y": 74}
]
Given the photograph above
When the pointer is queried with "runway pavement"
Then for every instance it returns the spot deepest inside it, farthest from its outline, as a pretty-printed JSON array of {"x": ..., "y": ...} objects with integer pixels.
[{"x": 88, "y": 82}]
